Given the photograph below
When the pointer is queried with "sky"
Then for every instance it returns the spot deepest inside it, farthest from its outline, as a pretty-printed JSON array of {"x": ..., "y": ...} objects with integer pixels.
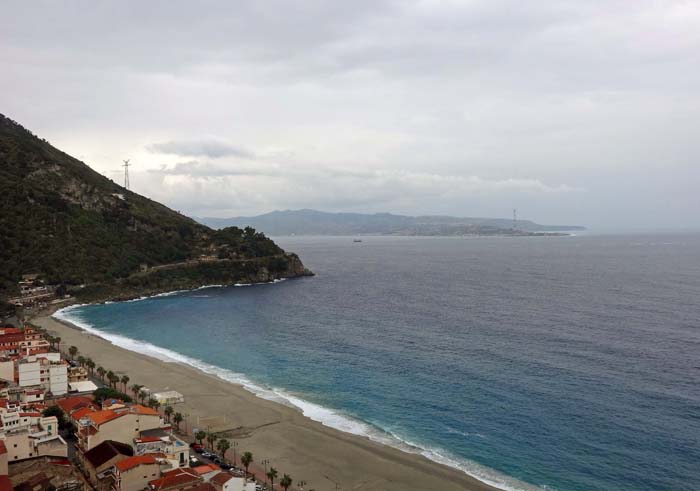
[{"x": 573, "y": 112}]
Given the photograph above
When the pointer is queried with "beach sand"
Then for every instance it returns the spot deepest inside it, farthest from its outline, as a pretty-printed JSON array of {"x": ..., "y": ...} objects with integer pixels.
[{"x": 291, "y": 442}]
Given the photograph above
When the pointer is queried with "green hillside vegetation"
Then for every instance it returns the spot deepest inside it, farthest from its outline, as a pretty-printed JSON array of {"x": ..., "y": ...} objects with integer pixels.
[{"x": 73, "y": 226}]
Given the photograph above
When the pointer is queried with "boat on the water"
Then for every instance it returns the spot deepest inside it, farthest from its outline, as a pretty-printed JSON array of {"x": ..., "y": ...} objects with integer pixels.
[{"x": 357, "y": 240}]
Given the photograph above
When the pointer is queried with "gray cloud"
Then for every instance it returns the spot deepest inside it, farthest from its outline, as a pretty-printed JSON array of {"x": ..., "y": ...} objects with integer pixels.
[
  {"x": 210, "y": 147},
  {"x": 568, "y": 110}
]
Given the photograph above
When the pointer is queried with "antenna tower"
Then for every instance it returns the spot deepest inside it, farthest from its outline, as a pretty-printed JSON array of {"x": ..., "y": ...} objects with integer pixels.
[{"x": 126, "y": 173}]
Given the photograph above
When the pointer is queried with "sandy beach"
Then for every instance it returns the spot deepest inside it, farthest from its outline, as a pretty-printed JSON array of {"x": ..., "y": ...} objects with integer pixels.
[{"x": 327, "y": 459}]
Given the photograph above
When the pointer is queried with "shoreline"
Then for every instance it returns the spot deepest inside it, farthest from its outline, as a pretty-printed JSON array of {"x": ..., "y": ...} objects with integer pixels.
[{"x": 269, "y": 428}]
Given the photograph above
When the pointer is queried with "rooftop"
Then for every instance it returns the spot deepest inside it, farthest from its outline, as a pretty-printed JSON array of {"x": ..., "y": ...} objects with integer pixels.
[
  {"x": 106, "y": 451},
  {"x": 133, "y": 462}
]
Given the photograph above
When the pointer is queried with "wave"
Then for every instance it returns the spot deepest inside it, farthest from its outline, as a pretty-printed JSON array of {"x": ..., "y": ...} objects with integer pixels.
[{"x": 324, "y": 415}]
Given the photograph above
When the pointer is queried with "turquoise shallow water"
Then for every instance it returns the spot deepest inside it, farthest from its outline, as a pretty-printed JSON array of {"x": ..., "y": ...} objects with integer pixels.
[{"x": 567, "y": 364}]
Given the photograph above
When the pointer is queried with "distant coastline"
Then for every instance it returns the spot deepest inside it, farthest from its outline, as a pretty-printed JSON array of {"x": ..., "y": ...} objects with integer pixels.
[{"x": 317, "y": 223}]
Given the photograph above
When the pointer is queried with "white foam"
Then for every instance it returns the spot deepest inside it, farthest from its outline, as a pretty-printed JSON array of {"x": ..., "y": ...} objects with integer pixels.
[{"x": 326, "y": 416}]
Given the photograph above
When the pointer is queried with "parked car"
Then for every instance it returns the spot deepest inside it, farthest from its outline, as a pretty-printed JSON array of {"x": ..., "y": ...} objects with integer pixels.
[
  {"x": 199, "y": 450},
  {"x": 207, "y": 454},
  {"x": 225, "y": 466}
]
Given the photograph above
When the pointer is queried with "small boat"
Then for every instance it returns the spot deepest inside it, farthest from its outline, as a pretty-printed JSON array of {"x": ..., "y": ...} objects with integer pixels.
[{"x": 357, "y": 240}]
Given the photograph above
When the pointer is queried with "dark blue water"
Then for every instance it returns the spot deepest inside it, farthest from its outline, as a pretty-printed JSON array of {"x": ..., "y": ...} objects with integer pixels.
[{"x": 567, "y": 363}]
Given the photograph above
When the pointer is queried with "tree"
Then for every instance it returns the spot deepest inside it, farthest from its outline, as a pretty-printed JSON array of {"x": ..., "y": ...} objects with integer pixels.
[
  {"x": 72, "y": 351},
  {"x": 110, "y": 378},
  {"x": 222, "y": 447},
  {"x": 55, "y": 411},
  {"x": 104, "y": 393},
  {"x": 153, "y": 402},
  {"x": 199, "y": 436},
  {"x": 81, "y": 360},
  {"x": 135, "y": 389},
  {"x": 177, "y": 418},
  {"x": 286, "y": 481},
  {"x": 246, "y": 460},
  {"x": 271, "y": 475},
  {"x": 143, "y": 394},
  {"x": 169, "y": 411},
  {"x": 124, "y": 381},
  {"x": 211, "y": 438},
  {"x": 90, "y": 365},
  {"x": 101, "y": 372},
  {"x": 57, "y": 340}
]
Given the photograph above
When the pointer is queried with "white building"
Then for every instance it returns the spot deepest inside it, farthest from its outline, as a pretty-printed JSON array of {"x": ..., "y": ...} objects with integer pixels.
[{"x": 46, "y": 370}]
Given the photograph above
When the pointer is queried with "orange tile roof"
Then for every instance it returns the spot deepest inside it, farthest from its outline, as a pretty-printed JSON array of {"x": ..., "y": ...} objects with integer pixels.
[
  {"x": 221, "y": 478},
  {"x": 82, "y": 412},
  {"x": 174, "y": 478},
  {"x": 101, "y": 417},
  {"x": 70, "y": 403},
  {"x": 206, "y": 468},
  {"x": 139, "y": 409},
  {"x": 132, "y": 462}
]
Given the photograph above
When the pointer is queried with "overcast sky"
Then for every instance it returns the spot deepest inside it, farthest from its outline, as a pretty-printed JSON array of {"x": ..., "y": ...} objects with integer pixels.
[{"x": 580, "y": 112}]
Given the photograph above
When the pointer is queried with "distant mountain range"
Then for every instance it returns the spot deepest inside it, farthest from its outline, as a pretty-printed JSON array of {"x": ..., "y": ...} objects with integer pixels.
[{"x": 313, "y": 222}]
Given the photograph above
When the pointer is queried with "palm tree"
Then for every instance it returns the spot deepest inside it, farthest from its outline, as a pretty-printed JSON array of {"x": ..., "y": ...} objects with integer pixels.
[
  {"x": 271, "y": 475},
  {"x": 286, "y": 481},
  {"x": 81, "y": 360},
  {"x": 124, "y": 381},
  {"x": 101, "y": 372},
  {"x": 57, "y": 340},
  {"x": 72, "y": 351},
  {"x": 246, "y": 460},
  {"x": 153, "y": 402},
  {"x": 211, "y": 438},
  {"x": 49, "y": 338},
  {"x": 110, "y": 377},
  {"x": 199, "y": 436},
  {"x": 135, "y": 389},
  {"x": 169, "y": 411},
  {"x": 177, "y": 418},
  {"x": 142, "y": 395},
  {"x": 222, "y": 447},
  {"x": 90, "y": 365}
]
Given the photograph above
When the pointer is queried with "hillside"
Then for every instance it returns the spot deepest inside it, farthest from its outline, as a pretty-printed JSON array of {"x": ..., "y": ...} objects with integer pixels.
[
  {"x": 312, "y": 222},
  {"x": 72, "y": 226}
]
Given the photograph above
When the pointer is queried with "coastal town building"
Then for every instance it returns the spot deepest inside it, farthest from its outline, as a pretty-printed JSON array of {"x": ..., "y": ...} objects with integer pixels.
[
  {"x": 120, "y": 422},
  {"x": 134, "y": 473},
  {"x": 177, "y": 479},
  {"x": 98, "y": 463},
  {"x": 27, "y": 434},
  {"x": 162, "y": 441},
  {"x": 226, "y": 482},
  {"x": 46, "y": 370}
]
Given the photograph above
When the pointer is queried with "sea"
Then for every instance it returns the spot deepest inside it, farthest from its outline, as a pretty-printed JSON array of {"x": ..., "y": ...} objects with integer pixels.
[{"x": 531, "y": 363}]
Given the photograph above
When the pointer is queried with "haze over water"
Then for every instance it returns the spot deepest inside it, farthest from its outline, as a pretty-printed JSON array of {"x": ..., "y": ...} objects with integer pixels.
[{"x": 568, "y": 363}]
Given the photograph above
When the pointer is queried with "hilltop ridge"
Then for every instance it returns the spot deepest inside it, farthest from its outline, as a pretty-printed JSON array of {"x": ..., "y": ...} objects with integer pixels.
[{"x": 74, "y": 227}]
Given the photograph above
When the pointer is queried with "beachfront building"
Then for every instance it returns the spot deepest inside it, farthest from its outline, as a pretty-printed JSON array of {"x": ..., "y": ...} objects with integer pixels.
[
  {"x": 46, "y": 370},
  {"x": 99, "y": 462},
  {"x": 162, "y": 441},
  {"x": 168, "y": 398},
  {"x": 207, "y": 471},
  {"x": 226, "y": 482},
  {"x": 134, "y": 473},
  {"x": 22, "y": 342},
  {"x": 77, "y": 374},
  {"x": 120, "y": 422}
]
